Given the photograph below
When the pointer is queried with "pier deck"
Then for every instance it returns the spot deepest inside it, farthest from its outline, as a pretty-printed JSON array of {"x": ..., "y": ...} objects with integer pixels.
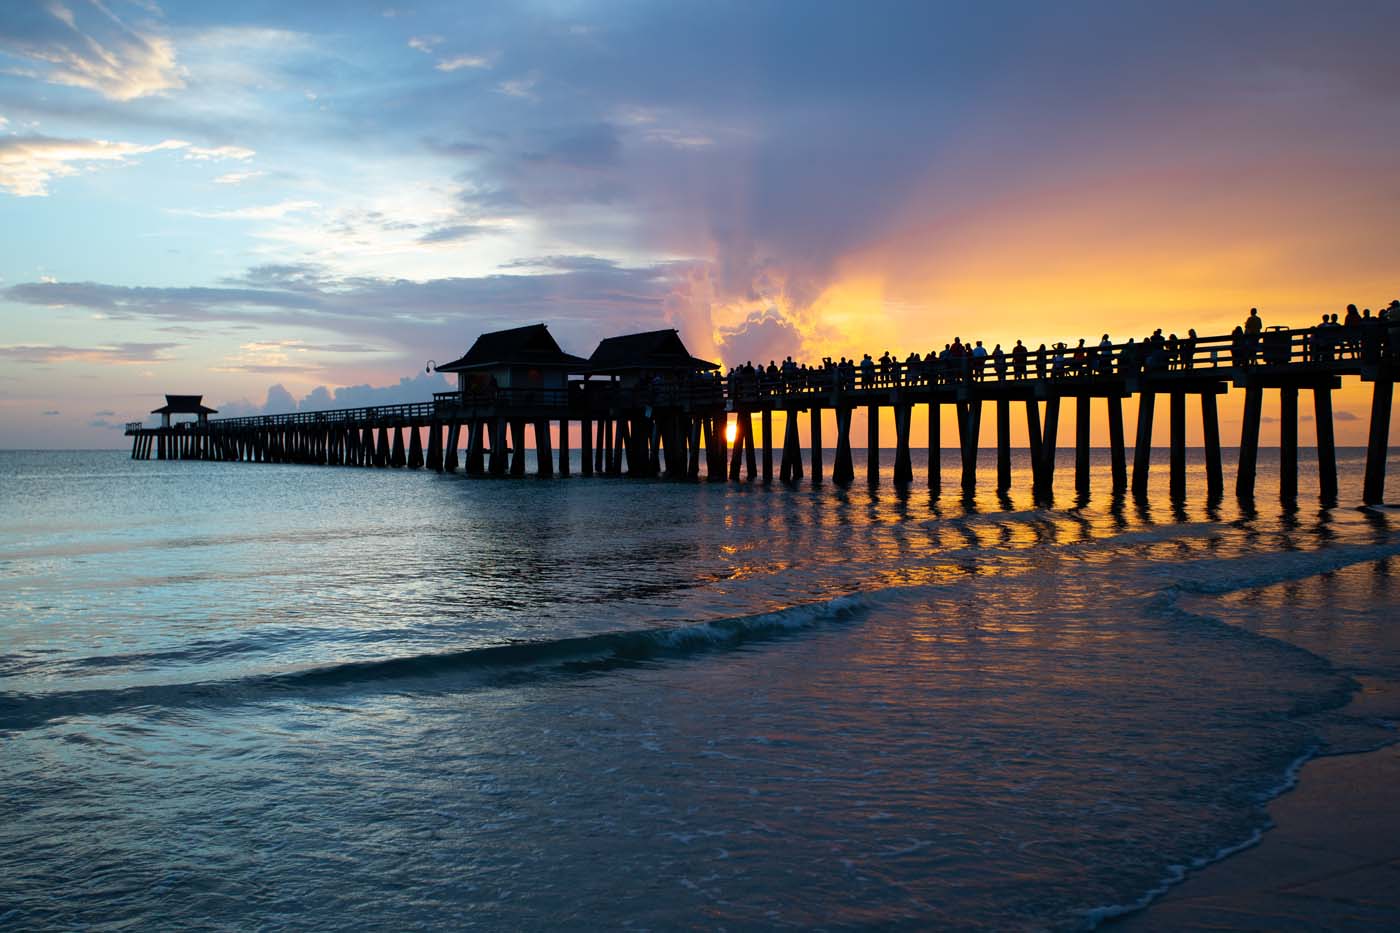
[{"x": 671, "y": 426}]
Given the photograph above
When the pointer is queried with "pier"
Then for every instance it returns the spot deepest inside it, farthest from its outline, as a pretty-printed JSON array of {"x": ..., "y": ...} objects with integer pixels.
[{"x": 641, "y": 405}]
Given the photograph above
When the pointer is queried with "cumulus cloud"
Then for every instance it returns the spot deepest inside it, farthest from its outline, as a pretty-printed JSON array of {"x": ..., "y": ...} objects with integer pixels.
[
  {"x": 523, "y": 88},
  {"x": 29, "y": 163},
  {"x": 256, "y": 212},
  {"x": 207, "y": 153},
  {"x": 762, "y": 336},
  {"x": 416, "y": 388},
  {"x": 87, "y": 45},
  {"x": 457, "y": 63},
  {"x": 237, "y": 178}
]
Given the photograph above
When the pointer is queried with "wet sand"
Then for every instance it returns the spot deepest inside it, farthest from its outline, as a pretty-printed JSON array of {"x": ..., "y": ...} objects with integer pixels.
[{"x": 1331, "y": 862}]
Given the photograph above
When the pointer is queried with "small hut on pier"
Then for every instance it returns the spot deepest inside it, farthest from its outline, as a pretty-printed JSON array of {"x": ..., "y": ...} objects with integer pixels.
[
  {"x": 184, "y": 405},
  {"x": 524, "y": 364},
  {"x": 655, "y": 360}
]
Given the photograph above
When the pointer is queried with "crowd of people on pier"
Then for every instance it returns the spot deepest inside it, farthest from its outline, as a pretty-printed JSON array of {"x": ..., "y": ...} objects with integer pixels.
[{"x": 1358, "y": 335}]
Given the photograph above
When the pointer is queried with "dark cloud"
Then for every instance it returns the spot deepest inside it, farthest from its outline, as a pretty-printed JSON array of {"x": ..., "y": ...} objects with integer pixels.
[
  {"x": 453, "y": 233},
  {"x": 454, "y": 148},
  {"x": 595, "y": 146},
  {"x": 103, "y": 414},
  {"x": 114, "y": 353},
  {"x": 1346, "y": 416},
  {"x": 586, "y": 298},
  {"x": 50, "y": 413}
]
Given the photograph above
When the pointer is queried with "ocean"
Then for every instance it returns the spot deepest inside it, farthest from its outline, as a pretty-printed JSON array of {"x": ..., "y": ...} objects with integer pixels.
[{"x": 238, "y": 696}]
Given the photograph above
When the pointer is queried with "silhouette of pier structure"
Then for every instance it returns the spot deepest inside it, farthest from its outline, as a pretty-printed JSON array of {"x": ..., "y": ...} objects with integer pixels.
[{"x": 642, "y": 405}]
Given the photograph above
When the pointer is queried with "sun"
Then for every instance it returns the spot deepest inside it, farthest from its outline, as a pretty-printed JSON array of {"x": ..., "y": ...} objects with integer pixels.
[{"x": 731, "y": 431}]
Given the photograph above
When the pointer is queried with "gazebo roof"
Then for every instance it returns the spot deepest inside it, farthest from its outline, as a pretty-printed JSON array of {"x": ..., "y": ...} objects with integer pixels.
[
  {"x": 184, "y": 405},
  {"x": 652, "y": 351},
  {"x": 531, "y": 345}
]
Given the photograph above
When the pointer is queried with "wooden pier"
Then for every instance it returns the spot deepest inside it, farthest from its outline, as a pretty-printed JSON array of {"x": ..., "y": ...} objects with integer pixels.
[{"x": 641, "y": 405}]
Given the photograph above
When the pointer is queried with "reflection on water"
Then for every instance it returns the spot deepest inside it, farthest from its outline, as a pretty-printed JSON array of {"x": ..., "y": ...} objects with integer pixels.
[{"x": 256, "y": 695}]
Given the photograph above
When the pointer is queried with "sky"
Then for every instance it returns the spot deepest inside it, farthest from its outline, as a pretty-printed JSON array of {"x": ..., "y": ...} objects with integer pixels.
[{"x": 284, "y": 205}]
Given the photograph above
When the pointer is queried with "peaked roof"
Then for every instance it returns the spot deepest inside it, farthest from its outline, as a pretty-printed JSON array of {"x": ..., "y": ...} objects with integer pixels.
[
  {"x": 184, "y": 405},
  {"x": 652, "y": 350},
  {"x": 519, "y": 346}
]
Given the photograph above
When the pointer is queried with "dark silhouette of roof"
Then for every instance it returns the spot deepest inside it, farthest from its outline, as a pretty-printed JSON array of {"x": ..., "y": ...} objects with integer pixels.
[
  {"x": 520, "y": 346},
  {"x": 653, "y": 350},
  {"x": 184, "y": 405}
]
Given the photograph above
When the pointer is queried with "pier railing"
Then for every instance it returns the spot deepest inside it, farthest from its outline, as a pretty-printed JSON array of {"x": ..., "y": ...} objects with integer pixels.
[{"x": 1325, "y": 350}]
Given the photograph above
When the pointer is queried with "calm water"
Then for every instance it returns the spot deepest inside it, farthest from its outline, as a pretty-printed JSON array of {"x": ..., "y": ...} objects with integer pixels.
[{"x": 256, "y": 696}]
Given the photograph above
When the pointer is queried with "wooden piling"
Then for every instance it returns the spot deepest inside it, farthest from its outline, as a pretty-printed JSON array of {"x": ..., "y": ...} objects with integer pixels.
[
  {"x": 1288, "y": 443},
  {"x": 842, "y": 469},
  {"x": 398, "y": 459},
  {"x": 1048, "y": 437},
  {"x": 1177, "y": 464},
  {"x": 767, "y": 422},
  {"x": 698, "y": 437},
  {"x": 1003, "y": 445},
  {"x": 749, "y": 456},
  {"x": 517, "y": 445},
  {"x": 1118, "y": 458},
  {"x": 1249, "y": 441},
  {"x": 1034, "y": 440},
  {"x": 1210, "y": 426},
  {"x": 585, "y": 440},
  {"x": 383, "y": 454},
  {"x": 872, "y": 439},
  {"x": 1081, "y": 444},
  {"x": 742, "y": 426},
  {"x": 1326, "y": 443},
  {"x": 935, "y": 446},
  {"x": 1378, "y": 441},
  {"x": 544, "y": 454},
  {"x": 434, "y": 456},
  {"x": 816, "y": 445},
  {"x": 565, "y": 466},
  {"x": 971, "y": 415},
  {"x": 903, "y": 462},
  {"x": 498, "y": 462},
  {"x": 785, "y": 463},
  {"x": 1142, "y": 449}
]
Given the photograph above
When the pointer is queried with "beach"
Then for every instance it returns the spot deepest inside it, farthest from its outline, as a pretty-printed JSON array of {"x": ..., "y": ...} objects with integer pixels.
[{"x": 1331, "y": 861}]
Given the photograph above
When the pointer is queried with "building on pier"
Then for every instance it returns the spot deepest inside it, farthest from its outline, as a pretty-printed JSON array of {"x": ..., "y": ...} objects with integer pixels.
[
  {"x": 657, "y": 406},
  {"x": 184, "y": 405},
  {"x": 522, "y": 362}
]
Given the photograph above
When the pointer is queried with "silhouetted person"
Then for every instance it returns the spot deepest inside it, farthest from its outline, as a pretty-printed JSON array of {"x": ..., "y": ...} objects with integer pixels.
[
  {"x": 1188, "y": 350},
  {"x": 1018, "y": 360},
  {"x": 1253, "y": 324}
]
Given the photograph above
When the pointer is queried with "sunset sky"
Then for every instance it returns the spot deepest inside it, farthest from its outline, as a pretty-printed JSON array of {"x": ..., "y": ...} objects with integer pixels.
[{"x": 300, "y": 203}]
